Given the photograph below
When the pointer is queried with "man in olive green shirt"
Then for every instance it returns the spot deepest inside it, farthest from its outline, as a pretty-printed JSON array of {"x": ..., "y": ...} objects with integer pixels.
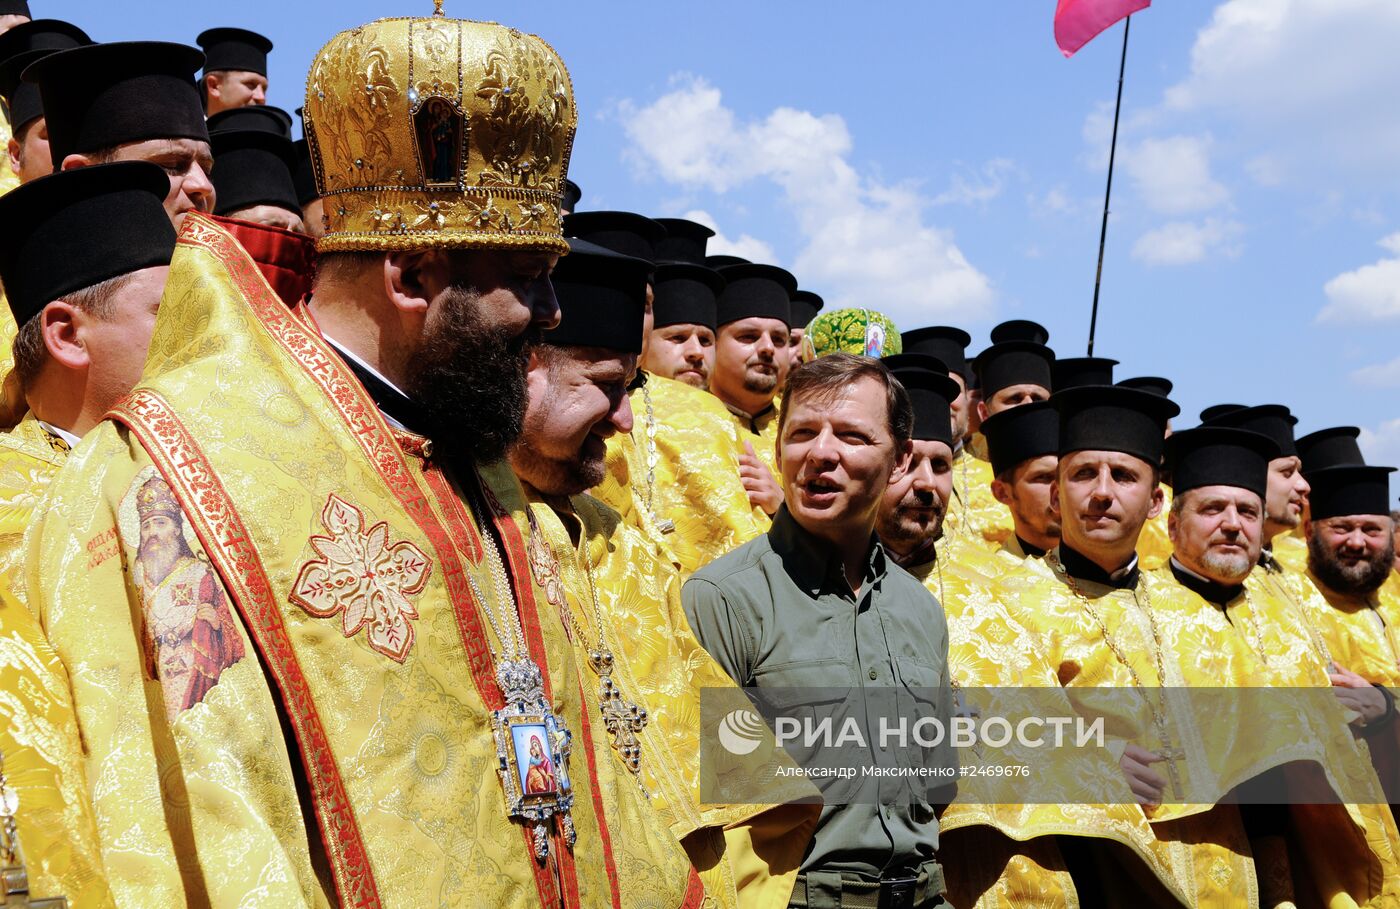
[{"x": 817, "y": 603}]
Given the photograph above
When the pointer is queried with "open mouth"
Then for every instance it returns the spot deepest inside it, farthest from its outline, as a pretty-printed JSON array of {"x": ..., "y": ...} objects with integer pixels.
[{"x": 819, "y": 489}]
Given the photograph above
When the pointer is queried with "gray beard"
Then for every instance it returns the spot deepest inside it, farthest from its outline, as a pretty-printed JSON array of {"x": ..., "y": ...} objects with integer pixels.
[{"x": 1232, "y": 569}]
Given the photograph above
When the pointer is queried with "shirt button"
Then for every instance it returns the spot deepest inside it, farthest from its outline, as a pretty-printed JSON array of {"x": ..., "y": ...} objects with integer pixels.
[{"x": 872, "y": 675}]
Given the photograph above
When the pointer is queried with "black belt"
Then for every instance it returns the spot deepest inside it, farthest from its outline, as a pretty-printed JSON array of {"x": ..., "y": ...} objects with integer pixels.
[{"x": 841, "y": 891}]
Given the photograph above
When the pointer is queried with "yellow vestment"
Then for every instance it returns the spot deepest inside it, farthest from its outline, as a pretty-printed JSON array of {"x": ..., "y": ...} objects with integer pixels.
[
  {"x": 748, "y": 855},
  {"x": 1154, "y": 546},
  {"x": 974, "y": 515},
  {"x": 43, "y": 765},
  {"x": 8, "y": 181},
  {"x": 680, "y": 464},
  {"x": 29, "y": 457},
  {"x": 343, "y": 560}
]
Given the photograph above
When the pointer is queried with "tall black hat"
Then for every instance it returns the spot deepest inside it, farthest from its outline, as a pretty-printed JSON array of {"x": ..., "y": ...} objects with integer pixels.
[
  {"x": 620, "y": 231},
  {"x": 234, "y": 49},
  {"x": 944, "y": 342},
  {"x": 1334, "y": 447},
  {"x": 572, "y": 195},
  {"x": 805, "y": 306},
  {"x": 1077, "y": 371},
  {"x": 69, "y": 231},
  {"x": 1272, "y": 420},
  {"x": 304, "y": 174},
  {"x": 1155, "y": 384},
  {"x": 755, "y": 291},
  {"x": 1109, "y": 418},
  {"x": 931, "y": 391},
  {"x": 1020, "y": 330},
  {"x": 103, "y": 95},
  {"x": 602, "y": 298},
  {"x": 1347, "y": 490},
  {"x": 718, "y": 262},
  {"x": 251, "y": 168},
  {"x": 684, "y": 241},
  {"x": 686, "y": 294},
  {"x": 1019, "y": 434},
  {"x": 1220, "y": 456},
  {"x": 1215, "y": 410},
  {"x": 1014, "y": 363},
  {"x": 14, "y": 7},
  {"x": 263, "y": 118},
  {"x": 21, "y": 46}
]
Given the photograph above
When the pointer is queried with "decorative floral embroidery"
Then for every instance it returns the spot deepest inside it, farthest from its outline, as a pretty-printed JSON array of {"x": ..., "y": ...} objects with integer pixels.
[{"x": 365, "y": 576}]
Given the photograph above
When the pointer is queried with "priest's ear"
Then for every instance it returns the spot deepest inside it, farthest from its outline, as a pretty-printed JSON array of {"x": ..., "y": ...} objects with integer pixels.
[
  {"x": 61, "y": 324},
  {"x": 412, "y": 280}
]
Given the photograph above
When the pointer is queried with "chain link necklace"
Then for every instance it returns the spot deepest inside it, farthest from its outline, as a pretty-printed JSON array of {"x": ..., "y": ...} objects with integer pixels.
[
  {"x": 527, "y": 716},
  {"x": 623, "y": 719},
  {"x": 1169, "y": 753},
  {"x": 653, "y": 457},
  {"x": 1271, "y": 571}
]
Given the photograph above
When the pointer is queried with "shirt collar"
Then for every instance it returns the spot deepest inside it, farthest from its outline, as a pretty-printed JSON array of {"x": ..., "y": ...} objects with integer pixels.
[
  {"x": 752, "y": 418},
  {"x": 1029, "y": 551},
  {"x": 1209, "y": 590},
  {"x": 397, "y": 407},
  {"x": 63, "y": 434},
  {"x": 1080, "y": 568},
  {"x": 811, "y": 561}
]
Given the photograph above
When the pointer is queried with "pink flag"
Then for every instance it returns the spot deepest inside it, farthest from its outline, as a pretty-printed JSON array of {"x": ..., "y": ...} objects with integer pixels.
[{"x": 1078, "y": 21}]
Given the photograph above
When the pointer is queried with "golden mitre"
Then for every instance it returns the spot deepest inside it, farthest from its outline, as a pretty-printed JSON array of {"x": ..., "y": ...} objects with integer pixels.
[
  {"x": 439, "y": 132},
  {"x": 155, "y": 497}
]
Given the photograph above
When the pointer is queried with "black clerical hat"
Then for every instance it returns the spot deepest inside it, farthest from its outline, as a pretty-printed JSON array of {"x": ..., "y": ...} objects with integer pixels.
[
  {"x": 1220, "y": 456},
  {"x": 1272, "y": 420},
  {"x": 1348, "y": 490},
  {"x": 602, "y": 298},
  {"x": 304, "y": 173},
  {"x": 1020, "y": 330},
  {"x": 21, "y": 46},
  {"x": 931, "y": 391},
  {"x": 1109, "y": 418},
  {"x": 234, "y": 49},
  {"x": 756, "y": 291},
  {"x": 942, "y": 341},
  {"x": 620, "y": 231},
  {"x": 684, "y": 241},
  {"x": 1076, "y": 371},
  {"x": 1215, "y": 410},
  {"x": 1155, "y": 384},
  {"x": 686, "y": 294},
  {"x": 69, "y": 231},
  {"x": 251, "y": 168},
  {"x": 262, "y": 118},
  {"x": 104, "y": 95},
  {"x": 572, "y": 195},
  {"x": 14, "y": 7},
  {"x": 1018, "y": 434},
  {"x": 1014, "y": 363},
  {"x": 1333, "y": 447},
  {"x": 725, "y": 261},
  {"x": 805, "y": 306}
]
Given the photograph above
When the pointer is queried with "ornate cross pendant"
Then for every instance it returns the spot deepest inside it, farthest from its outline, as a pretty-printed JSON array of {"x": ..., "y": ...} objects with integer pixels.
[{"x": 622, "y": 718}]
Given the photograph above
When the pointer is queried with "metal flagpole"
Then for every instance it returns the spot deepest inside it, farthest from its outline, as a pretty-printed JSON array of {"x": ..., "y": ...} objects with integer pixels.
[{"x": 1108, "y": 191}]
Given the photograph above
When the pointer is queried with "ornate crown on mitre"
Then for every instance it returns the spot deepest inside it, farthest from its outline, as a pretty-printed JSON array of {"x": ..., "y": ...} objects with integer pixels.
[
  {"x": 439, "y": 132},
  {"x": 155, "y": 497}
]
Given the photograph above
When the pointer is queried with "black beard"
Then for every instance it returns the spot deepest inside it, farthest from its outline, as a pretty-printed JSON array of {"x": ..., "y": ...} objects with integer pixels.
[
  {"x": 1362, "y": 578},
  {"x": 469, "y": 380}
]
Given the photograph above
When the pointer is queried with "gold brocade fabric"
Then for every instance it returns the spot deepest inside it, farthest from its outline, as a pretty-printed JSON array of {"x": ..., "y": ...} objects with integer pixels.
[
  {"x": 660, "y": 666},
  {"x": 1006, "y": 854},
  {"x": 974, "y": 515},
  {"x": 43, "y": 763},
  {"x": 8, "y": 181},
  {"x": 28, "y": 460},
  {"x": 1292, "y": 551},
  {"x": 1154, "y": 546},
  {"x": 1362, "y": 632},
  {"x": 760, "y": 431},
  {"x": 696, "y": 484},
  {"x": 248, "y": 504}
]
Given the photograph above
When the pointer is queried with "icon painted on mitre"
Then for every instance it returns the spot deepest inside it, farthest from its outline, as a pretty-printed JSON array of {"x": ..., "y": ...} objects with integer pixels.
[
  {"x": 875, "y": 340},
  {"x": 441, "y": 150}
]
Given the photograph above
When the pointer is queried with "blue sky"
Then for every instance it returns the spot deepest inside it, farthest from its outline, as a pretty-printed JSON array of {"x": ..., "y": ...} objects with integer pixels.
[{"x": 943, "y": 162}]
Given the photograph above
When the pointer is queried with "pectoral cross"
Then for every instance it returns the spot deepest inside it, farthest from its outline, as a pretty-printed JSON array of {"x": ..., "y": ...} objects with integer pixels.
[
  {"x": 1170, "y": 755},
  {"x": 622, "y": 718},
  {"x": 14, "y": 879}
]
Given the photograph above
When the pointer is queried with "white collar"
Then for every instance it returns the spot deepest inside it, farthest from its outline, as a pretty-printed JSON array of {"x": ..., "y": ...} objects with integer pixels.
[
  {"x": 1176, "y": 563},
  {"x": 1123, "y": 572},
  {"x": 63, "y": 434},
  {"x": 351, "y": 355}
]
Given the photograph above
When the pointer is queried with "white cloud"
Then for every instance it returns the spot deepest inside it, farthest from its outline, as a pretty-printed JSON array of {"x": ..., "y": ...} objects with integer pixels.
[
  {"x": 1382, "y": 444},
  {"x": 866, "y": 241},
  {"x": 1380, "y": 375},
  {"x": 1185, "y": 242},
  {"x": 1370, "y": 293},
  {"x": 981, "y": 187},
  {"x": 1266, "y": 170},
  {"x": 1173, "y": 174},
  {"x": 1318, "y": 71},
  {"x": 745, "y": 245}
]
